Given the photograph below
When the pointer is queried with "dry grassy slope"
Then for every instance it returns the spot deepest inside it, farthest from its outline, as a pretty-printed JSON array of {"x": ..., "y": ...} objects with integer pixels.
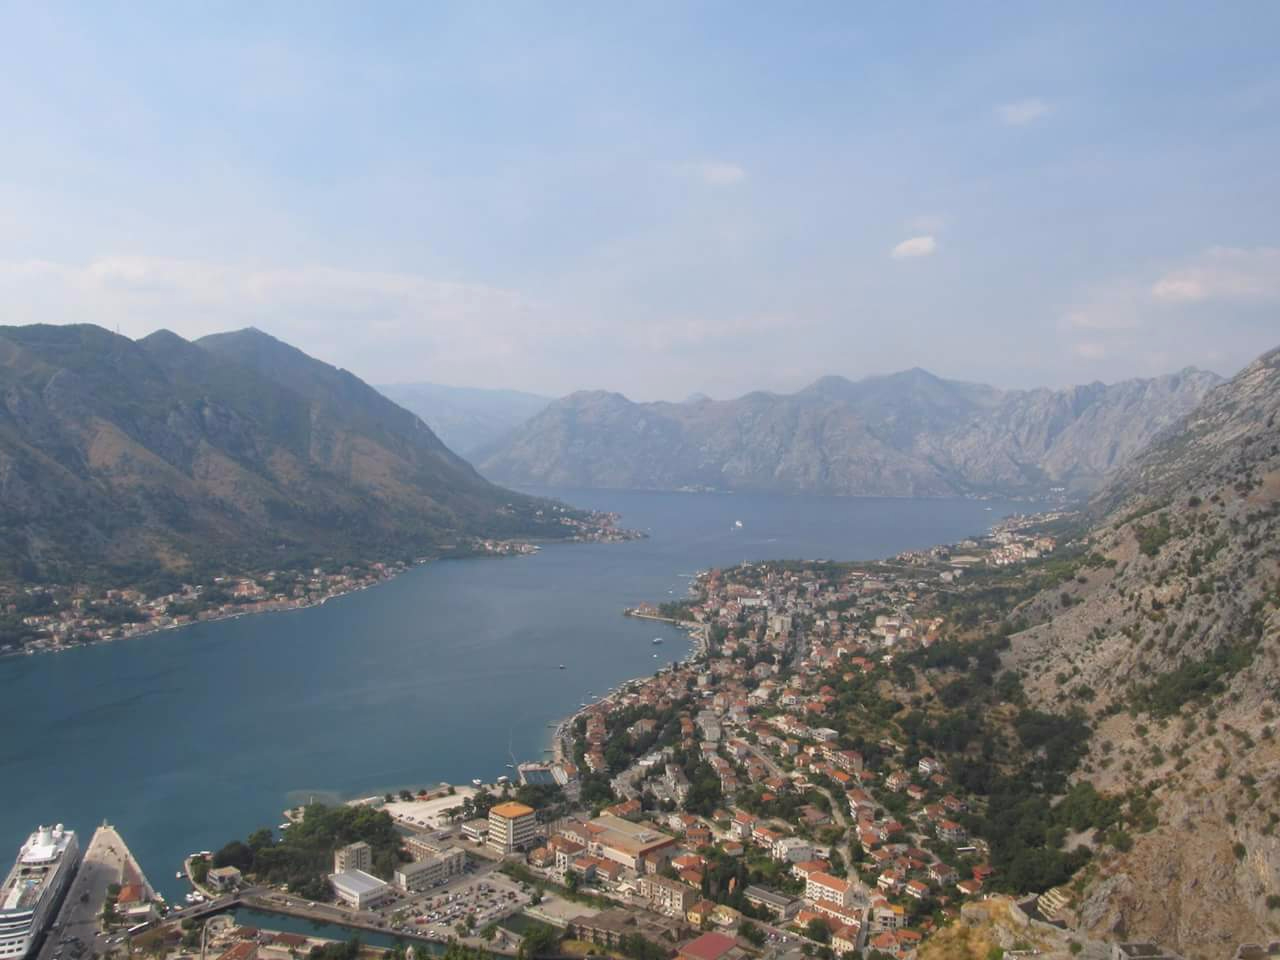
[
  {"x": 987, "y": 924},
  {"x": 1205, "y": 504}
]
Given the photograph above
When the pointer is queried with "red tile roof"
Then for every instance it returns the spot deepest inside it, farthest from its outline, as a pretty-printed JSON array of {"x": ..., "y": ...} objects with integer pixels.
[{"x": 709, "y": 946}]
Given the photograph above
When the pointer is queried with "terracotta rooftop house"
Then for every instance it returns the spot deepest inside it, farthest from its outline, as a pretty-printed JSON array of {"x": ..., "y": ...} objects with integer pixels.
[
  {"x": 711, "y": 946},
  {"x": 626, "y": 809}
]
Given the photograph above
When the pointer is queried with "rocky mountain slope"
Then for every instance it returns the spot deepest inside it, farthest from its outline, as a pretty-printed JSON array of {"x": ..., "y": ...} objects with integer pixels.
[
  {"x": 466, "y": 418},
  {"x": 1168, "y": 636},
  {"x": 121, "y": 459},
  {"x": 908, "y": 434}
]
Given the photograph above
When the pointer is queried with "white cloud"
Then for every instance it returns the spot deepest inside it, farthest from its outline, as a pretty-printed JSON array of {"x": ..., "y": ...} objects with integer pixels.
[
  {"x": 1021, "y": 112},
  {"x": 718, "y": 173},
  {"x": 915, "y": 247},
  {"x": 1223, "y": 274},
  {"x": 1205, "y": 310}
]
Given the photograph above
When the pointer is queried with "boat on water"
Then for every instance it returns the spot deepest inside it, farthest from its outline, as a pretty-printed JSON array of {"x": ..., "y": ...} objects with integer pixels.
[
  {"x": 35, "y": 887},
  {"x": 562, "y": 666},
  {"x": 178, "y": 876},
  {"x": 657, "y": 639},
  {"x": 655, "y": 656},
  {"x": 737, "y": 524},
  {"x": 476, "y": 782}
]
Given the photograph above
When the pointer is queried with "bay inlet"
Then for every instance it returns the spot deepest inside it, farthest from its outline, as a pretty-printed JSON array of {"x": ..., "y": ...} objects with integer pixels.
[{"x": 187, "y": 738}]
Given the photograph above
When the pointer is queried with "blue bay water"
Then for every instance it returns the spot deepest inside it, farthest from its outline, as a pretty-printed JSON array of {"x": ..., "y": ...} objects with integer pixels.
[{"x": 188, "y": 738}]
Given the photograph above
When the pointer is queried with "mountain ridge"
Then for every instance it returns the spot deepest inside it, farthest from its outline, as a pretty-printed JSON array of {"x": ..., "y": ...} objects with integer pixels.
[
  {"x": 905, "y": 434},
  {"x": 123, "y": 459}
]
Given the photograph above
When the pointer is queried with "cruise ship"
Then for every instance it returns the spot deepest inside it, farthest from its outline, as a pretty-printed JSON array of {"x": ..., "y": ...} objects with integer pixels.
[{"x": 34, "y": 888}]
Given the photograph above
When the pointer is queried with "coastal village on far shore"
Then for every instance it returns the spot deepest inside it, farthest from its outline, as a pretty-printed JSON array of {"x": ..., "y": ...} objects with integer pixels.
[
  {"x": 728, "y": 807},
  {"x": 50, "y": 618}
]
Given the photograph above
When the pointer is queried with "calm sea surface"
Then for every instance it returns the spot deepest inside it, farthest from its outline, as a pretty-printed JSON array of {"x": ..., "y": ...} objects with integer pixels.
[{"x": 188, "y": 738}]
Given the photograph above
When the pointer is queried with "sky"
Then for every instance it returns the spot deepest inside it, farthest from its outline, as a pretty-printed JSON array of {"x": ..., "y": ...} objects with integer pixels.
[{"x": 654, "y": 198}]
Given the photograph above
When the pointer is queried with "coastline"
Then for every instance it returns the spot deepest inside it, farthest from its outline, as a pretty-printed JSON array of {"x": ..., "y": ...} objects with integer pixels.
[
  {"x": 570, "y": 685},
  {"x": 283, "y": 607},
  {"x": 491, "y": 550},
  {"x": 562, "y": 741}
]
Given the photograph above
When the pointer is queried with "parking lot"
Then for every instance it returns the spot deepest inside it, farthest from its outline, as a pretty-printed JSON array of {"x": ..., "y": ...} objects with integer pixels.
[{"x": 485, "y": 895}]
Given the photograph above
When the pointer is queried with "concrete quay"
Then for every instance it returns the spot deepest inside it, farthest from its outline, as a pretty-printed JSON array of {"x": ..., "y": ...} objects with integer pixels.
[{"x": 106, "y": 860}]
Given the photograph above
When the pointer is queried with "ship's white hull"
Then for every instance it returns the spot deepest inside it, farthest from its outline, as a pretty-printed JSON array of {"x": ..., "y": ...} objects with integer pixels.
[{"x": 22, "y": 928}]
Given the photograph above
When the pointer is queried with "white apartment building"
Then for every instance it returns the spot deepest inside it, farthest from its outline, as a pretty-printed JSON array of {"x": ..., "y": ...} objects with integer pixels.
[
  {"x": 354, "y": 856},
  {"x": 431, "y": 871},
  {"x": 824, "y": 888}
]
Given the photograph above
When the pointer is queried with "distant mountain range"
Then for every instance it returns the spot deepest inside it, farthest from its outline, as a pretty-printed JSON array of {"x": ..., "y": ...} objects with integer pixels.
[
  {"x": 121, "y": 460},
  {"x": 906, "y": 434},
  {"x": 466, "y": 418}
]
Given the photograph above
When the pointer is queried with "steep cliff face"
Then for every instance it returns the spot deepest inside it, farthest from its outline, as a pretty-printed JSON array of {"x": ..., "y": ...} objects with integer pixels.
[
  {"x": 121, "y": 458},
  {"x": 1170, "y": 637},
  {"x": 909, "y": 434}
]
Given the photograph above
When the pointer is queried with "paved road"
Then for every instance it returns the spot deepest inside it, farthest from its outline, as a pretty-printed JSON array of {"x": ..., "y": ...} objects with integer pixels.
[{"x": 102, "y": 865}]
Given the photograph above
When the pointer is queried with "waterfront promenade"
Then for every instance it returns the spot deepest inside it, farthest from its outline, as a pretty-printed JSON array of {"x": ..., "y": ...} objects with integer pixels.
[{"x": 562, "y": 738}]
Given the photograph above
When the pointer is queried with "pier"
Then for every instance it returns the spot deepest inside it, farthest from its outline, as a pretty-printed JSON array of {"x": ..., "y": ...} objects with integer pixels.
[{"x": 106, "y": 860}]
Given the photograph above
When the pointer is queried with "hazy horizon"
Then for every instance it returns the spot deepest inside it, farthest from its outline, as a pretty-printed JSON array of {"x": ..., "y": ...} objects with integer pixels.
[
  {"x": 656, "y": 201},
  {"x": 727, "y": 397}
]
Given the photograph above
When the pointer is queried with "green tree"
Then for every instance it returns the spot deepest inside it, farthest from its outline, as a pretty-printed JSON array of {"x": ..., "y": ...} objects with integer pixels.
[
  {"x": 539, "y": 940},
  {"x": 817, "y": 929},
  {"x": 260, "y": 838},
  {"x": 749, "y": 932},
  {"x": 235, "y": 854}
]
